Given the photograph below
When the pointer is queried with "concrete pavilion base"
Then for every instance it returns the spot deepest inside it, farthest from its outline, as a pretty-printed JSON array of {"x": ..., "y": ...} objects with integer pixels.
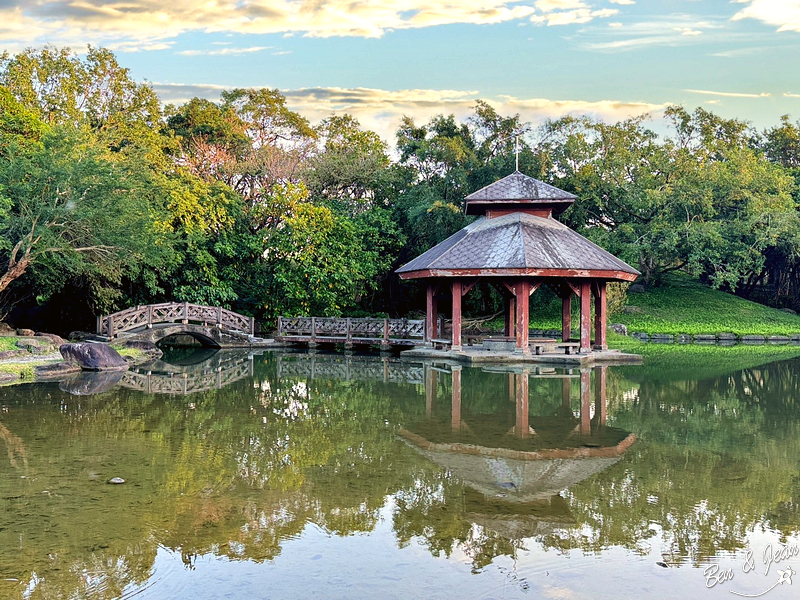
[{"x": 476, "y": 355}]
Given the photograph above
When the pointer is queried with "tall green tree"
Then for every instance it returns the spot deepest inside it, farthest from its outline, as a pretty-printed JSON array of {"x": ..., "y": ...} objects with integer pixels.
[{"x": 75, "y": 207}]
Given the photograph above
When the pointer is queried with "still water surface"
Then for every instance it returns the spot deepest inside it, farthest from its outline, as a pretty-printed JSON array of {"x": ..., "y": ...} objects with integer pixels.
[{"x": 292, "y": 475}]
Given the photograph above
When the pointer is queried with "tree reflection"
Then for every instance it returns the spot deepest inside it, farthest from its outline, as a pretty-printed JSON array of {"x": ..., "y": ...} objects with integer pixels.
[{"x": 238, "y": 471}]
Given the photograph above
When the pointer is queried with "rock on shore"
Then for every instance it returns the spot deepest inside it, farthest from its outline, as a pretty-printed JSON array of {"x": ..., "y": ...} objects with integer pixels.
[{"x": 93, "y": 357}]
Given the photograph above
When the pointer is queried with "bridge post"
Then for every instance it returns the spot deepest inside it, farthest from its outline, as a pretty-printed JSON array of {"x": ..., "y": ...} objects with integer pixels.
[
  {"x": 110, "y": 326},
  {"x": 99, "y": 324},
  {"x": 313, "y": 330},
  {"x": 252, "y": 325},
  {"x": 149, "y": 317},
  {"x": 185, "y": 320},
  {"x": 219, "y": 317},
  {"x": 348, "y": 344},
  {"x": 280, "y": 327}
]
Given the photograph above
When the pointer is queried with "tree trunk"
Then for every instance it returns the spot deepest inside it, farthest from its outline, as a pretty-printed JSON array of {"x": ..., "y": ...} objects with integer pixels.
[{"x": 14, "y": 271}]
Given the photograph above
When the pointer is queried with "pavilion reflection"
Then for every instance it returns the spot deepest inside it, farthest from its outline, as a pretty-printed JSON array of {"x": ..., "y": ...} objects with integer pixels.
[{"x": 514, "y": 459}]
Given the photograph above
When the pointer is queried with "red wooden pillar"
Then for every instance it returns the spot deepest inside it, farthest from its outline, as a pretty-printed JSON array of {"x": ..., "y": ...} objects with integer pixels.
[
  {"x": 586, "y": 316},
  {"x": 586, "y": 402},
  {"x": 600, "y": 316},
  {"x": 431, "y": 313},
  {"x": 455, "y": 414},
  {"x": 600, "y": 395},
  {"x": 510, "y": 307},
  {"x": 523, "y": 293},
  {"x": 521, "y": 424},
  {"x": 566, "y": 316},
  {"x": 456, "y": 287}
]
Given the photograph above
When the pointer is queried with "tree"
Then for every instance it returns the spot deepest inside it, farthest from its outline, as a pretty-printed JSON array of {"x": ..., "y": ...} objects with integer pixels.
[
  {"x": 66, "y": 90},
  {"x": 349, "y": 168},
  {"x": 72, "y": 204}
]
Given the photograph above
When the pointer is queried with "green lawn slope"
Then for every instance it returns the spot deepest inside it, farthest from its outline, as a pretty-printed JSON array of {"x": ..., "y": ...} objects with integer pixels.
[
  {"x": 682, "y": 305},
  {"x": 686, "y": 306}
]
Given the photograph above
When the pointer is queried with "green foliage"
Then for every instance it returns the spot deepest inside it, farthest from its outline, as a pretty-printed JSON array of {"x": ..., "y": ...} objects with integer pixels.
[
  {"x": 78, "y": 210},
  {"x": 8, "y": 343},
  {"x": 65, "y": 90},
  {"x": 319, "y": 262}
]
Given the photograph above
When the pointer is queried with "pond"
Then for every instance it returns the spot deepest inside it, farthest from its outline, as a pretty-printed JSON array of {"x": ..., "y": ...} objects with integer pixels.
[{"x": 283, "y": 475}]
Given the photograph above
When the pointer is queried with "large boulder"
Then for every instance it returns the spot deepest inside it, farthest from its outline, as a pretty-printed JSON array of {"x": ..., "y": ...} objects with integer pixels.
[
  {"x": 36, "y": 346},
  {"x": 619, "y": 328},
  {"x": 82, "y": 336},
  {"x": 93, "y": 357},
  {"x": 54, "y": 339}
]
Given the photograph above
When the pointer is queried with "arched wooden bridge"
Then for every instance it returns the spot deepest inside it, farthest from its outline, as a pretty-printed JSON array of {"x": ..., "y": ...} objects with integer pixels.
[{"x": 210, "y": 325}]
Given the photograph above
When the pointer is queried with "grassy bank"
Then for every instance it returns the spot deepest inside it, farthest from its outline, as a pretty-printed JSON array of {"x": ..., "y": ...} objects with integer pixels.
[
  {"x": 681, "y": 306},
  {"x": 686, "y": 306}
]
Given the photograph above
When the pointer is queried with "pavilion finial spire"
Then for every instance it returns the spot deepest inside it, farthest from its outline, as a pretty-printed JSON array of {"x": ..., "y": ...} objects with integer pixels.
[{"x": 516, "y": 153}]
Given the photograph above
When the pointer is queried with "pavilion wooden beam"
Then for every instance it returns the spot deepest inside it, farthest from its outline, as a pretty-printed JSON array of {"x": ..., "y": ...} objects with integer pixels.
[
  {"x": 522, "y": 289},
  {"x": 566, "y": 318},
  {"x": 510, "y": 306},
  {"x": 457, "y": 294},
  {"x": 586, "y": 317},
  {"x": 431, "y": 312},
  {"x": 466, "y": 287},
  {"x": 600, "y": 316}
]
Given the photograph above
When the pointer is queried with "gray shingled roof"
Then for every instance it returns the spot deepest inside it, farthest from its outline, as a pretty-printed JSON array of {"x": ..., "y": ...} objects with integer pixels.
[
  {"x": 517, "y": 241},
  {"x": 518, "y": 187}
]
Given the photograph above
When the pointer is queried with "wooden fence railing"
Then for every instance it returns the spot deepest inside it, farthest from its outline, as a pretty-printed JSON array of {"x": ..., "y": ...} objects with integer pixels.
[
  {"x": 173, "y": 312},
  {"x": 351, "y": 330}
]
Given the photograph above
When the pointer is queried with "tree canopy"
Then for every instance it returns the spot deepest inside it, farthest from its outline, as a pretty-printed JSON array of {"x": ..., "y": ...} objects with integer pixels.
[{"x": 244, "y": 203}]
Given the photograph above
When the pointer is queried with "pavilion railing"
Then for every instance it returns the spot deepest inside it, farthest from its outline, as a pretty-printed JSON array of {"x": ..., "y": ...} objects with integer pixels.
[
  {"x": 140, "y": 317},
  {"x": 351, "y": 330}
]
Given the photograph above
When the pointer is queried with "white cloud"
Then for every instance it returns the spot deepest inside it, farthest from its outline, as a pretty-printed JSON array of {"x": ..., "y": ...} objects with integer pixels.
[
  {"x": 568, "y": 12},
  {"x": 25, "y": 22},
  {"x": 788, "y": 95},
  {"x": 224, "y": 51},
  {"x": 623, "y": 2},
  {"x": 783, "y": 14},
  {"x": 677, "y": 29},
  {"x": 381, "y": 110},
  {"x": 729, "y": 94}
]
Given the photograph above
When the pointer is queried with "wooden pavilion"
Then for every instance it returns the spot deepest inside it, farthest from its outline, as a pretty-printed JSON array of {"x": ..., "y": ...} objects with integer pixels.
[{"x": 517, "y": 245}]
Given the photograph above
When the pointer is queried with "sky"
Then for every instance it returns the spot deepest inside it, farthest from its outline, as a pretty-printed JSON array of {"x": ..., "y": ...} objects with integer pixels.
[{"x": 381, "y": 59}]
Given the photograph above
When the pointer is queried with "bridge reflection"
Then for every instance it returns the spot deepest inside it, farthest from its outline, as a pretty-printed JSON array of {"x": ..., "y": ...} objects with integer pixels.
[
  {"x": 165, "y": 378},
  {"x": 215, "y": 371},
  {"x": 350, "y": 368}
]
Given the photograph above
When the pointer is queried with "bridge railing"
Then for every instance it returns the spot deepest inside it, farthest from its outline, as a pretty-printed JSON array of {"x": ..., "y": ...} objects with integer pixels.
[
  {"x": 173, "y": 312},
  {"x": 322, "y": 329}
]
